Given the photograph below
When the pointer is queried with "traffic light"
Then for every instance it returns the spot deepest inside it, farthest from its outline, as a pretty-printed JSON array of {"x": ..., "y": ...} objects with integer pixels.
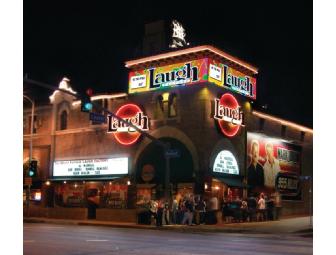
[
  {"x": 32, "y": 171},
  {"x": 86, "y": 105}
]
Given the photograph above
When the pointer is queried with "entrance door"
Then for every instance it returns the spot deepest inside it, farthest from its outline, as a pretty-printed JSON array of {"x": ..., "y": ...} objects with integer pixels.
[{"x": 92, "y": 202}]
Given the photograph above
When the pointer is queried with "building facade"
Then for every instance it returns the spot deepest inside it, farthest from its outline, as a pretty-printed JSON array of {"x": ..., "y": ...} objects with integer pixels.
[{"x": 199, "y": 101}]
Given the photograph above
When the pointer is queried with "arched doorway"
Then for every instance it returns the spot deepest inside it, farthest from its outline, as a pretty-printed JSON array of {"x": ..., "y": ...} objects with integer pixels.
[{"x": 152, "y": 157}]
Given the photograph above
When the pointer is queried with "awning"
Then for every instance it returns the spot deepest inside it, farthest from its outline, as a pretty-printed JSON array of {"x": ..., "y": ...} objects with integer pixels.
[{"x": 232, "y": 182}]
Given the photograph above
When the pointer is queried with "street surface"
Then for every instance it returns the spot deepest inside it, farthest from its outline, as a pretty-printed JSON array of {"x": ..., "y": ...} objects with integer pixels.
[{"x": 50, "y": 239}]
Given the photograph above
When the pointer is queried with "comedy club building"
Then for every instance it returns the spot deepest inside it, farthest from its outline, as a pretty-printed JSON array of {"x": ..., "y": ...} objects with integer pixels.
[{"x": 200, "y": 101}]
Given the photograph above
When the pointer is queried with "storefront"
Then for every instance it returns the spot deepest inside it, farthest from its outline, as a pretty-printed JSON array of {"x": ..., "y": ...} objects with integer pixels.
[{"x": 199, "y": 101}]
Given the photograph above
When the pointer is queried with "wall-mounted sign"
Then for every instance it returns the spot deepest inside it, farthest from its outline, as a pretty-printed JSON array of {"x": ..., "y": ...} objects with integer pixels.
[
  {"x": 178, "y": 35},
  {"x": 195, "y": 71},
  {"x": 226, "y": 163},
  {"x": 223, "y": 75},
  {"x": 90, "y": 167},
  {"x": 168, "y": 76},
  {"x": 229, "y": 114},
  {"x": 268, "y": 157},
  {"x": 124, "y": 134},
  {"x": 287, "y": 184}
]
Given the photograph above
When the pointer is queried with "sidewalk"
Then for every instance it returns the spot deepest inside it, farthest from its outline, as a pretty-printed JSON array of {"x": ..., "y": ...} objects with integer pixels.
[{"x": 298, "y": 225}]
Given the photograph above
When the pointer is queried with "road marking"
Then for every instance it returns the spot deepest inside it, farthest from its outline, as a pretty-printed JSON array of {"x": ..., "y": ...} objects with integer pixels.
[
  {"x": 28, "y": 241},
  {"x": 96, "y": 240}
]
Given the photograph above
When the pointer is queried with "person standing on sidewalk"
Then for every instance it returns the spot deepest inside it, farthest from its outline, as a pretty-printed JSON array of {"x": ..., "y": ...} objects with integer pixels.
[
  {"x": 174, "y": 211},
  {"x": 166, "y": 212},
  {"x": 159, "y": 213},
  {"x": 261, "y": 207},
  {"x": 153, "y": 206}
]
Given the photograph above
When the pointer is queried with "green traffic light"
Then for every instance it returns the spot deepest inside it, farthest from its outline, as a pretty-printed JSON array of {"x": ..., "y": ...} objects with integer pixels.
[
  {"x": 88, "y": 106},
  {"x": 31, "y": 173}
]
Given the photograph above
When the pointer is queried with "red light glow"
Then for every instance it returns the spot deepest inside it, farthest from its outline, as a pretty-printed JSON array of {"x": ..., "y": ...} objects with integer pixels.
[
  {"x": 127, "y": 111},
  {"x": 228, "y": 128}
]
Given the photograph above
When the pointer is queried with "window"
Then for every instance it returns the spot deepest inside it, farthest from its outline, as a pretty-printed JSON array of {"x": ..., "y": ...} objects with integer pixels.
[
  {"x": 172, "y": 107},
  {"x": 64, "y": 120},
  {"x": 302, "y": 136},
  {"x": 159, "y": 107},
  {"x": 283, "y": 130},
  {"x": 261, "y": 123}
]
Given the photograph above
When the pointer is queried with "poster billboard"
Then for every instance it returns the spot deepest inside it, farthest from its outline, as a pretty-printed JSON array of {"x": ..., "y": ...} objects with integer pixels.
[{"x": 268, "y": 159}]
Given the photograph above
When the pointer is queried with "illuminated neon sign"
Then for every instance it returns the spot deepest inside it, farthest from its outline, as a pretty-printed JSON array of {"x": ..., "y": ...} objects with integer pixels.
[
  {"x": 225, "y": 76},
  {"x": 178, "y": 36},
  {"x": 168, "y": 76},
  {"x": 229, "y": 114},
  {"x": 195, "y": 71},
  {"x": 123, "y": 133}
]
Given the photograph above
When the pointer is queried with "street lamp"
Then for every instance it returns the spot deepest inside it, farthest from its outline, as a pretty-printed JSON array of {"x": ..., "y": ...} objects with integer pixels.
[{"x": 30, "y": 145}]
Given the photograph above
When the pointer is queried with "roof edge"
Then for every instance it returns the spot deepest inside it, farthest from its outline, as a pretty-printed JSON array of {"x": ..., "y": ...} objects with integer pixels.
[{"x": 196, "y": 49}]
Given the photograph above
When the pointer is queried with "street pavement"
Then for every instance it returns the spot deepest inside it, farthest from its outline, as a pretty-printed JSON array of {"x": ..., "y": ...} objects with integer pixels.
[
  {"x": 297, "y": 225},
  {"x": 74, "y": 239}
]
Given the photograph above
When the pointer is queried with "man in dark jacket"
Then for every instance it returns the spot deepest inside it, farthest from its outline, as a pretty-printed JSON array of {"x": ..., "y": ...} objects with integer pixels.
[{"x": 255, "y": 172}]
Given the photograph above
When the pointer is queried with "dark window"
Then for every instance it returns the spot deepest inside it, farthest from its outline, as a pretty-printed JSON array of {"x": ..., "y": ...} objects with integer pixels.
[
  {"x": 159, "y": 107},
  {"x": 261, "y": 123},
  {"x": 283, "y": 130},
  {"x": 302, "y": 136},
  {"x": 64, "y": 120},
  {"x": 172, "y": 107}
]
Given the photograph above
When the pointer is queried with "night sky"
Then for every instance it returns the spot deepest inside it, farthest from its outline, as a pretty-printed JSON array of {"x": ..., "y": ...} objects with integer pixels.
[{"x": 89, "y": 41}]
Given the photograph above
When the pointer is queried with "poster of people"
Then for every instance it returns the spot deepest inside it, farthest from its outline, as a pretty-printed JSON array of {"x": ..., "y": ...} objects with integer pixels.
[{"x": 269, "y": 158}]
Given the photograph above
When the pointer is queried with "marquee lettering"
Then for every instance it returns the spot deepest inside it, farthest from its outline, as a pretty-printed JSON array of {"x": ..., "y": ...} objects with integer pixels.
[
  {"x": 235, "y": 116},
  {"x": 185, "y": 74},
  {"x": 238, "y": 83}
]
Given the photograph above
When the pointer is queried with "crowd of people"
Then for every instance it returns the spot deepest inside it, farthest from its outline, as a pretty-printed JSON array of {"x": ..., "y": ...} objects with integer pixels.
[
  {"x": 260, "y": 208},
  {"x": 195, "y": 210}
]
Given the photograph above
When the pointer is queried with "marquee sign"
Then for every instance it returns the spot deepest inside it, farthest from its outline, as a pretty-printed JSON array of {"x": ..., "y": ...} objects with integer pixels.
[
  {"x": 225, "y": 76},
  {"x": 90, "y": 167},
  {"x": 229, "y": 114},
  {"x": 168, "y": 76},
  {"x": 226, "y": 163},
  {"x": 124, "y": 134}
]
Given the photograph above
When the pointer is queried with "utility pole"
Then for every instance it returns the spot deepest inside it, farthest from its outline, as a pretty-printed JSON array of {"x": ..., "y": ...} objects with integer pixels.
[{"x": 30, "y": 146}]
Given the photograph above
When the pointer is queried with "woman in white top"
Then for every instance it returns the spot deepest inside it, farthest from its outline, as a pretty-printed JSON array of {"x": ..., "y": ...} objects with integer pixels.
[{"x": 261, "y": 207}]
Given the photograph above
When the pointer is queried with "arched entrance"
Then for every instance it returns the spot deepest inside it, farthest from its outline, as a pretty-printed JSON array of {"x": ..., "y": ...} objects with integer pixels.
[{"x": 153, "y": 158}]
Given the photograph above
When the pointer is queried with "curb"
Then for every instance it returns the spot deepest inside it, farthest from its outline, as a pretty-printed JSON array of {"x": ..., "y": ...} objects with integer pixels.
[{"x": 184, "y": 229}]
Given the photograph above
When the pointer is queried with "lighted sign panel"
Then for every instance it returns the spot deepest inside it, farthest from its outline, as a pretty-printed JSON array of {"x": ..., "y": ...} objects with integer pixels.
[
  {"x": 123, "y": 133},
  {"x": 226, "y": 163},
  {"x": 180, "y": 74},
  {"x": 229, "y": 115},
  {"x": 190, "y": 72},
  {"x": 225, "y": 76},
  {"x": 270, "y": 157},
  {"x": 90, "y": 167}
]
